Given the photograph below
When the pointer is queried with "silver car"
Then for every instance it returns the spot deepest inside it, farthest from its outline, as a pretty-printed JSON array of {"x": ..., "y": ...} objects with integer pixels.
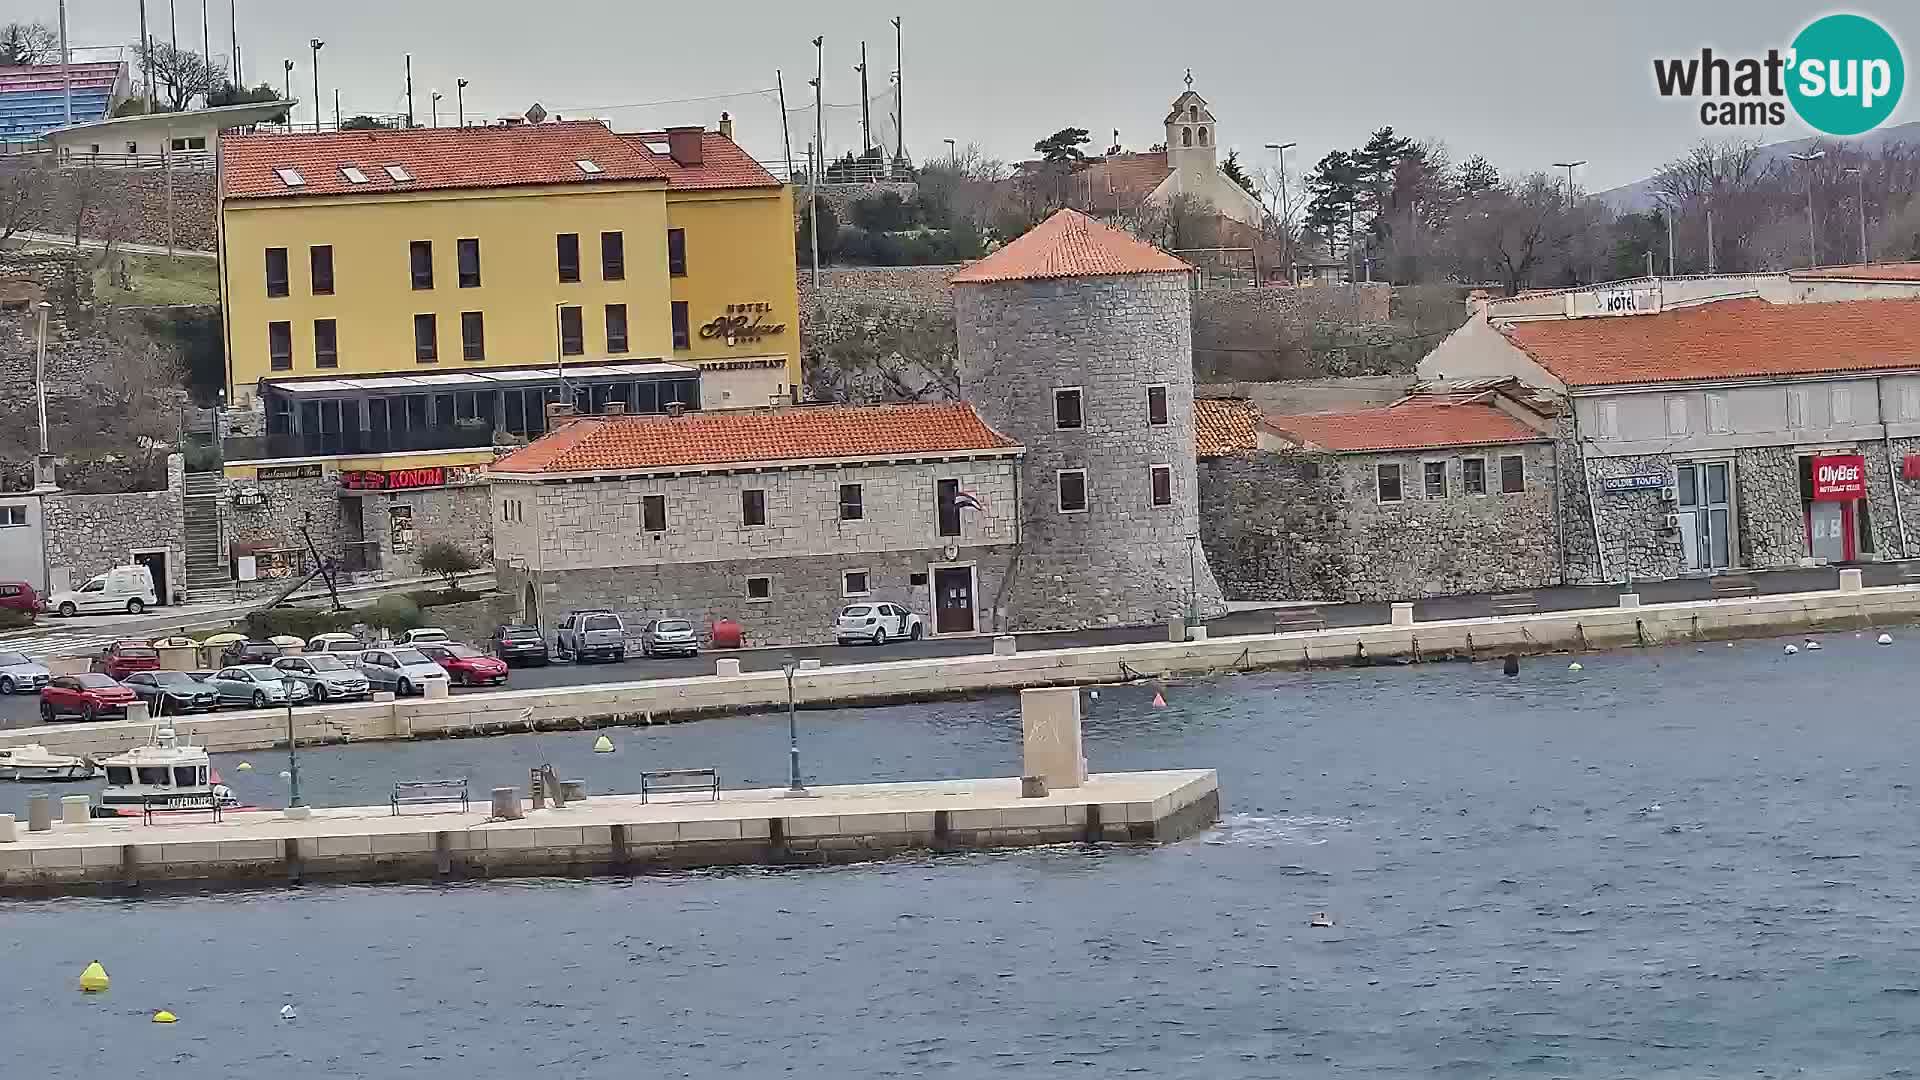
[
  {"x": 326, "y": 677},
  {"x": 258, "y": 685},
  {"x": 20, "y": 675},
  {"x": 669, "y": 637},
  {"x": 402, "y": 670}
]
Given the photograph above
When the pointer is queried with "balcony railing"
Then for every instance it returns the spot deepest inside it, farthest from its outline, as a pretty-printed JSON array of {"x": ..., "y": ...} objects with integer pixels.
[{"x": 334, "y": 443}]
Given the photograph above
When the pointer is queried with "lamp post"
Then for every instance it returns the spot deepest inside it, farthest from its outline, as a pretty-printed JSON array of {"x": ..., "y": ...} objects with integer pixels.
[
  {"x": 795, "y": 788},
  {"x": 460, "y": 101},
  {"x": 1813, "y": 256},
  {"x": 819, "y": 157},
  {"x": 1569, "y": 166},
  {"x": 433, "y": 105},
  {"x": 296, "y": 806},
  {"x": 953, "y": 152},
  {"x": 1193, "y": 578},
  {"x": 286, "y": 77},
  {"x": 316, "y": 44},
  {"x": 1286, "y": 212},
  {"x": 1860, "y": 176}
]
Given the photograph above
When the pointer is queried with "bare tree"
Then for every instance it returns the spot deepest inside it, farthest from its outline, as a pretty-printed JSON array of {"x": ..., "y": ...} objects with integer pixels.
[
  {"x": 77, "y": 189},
  {"x": 1511, "y": 230},
  {"x": 182, "y": 75},
  {"x": 23, "y": 198},
  {"x": 26, "y": 43}
]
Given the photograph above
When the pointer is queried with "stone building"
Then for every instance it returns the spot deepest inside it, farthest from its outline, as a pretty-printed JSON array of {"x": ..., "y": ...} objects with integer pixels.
[
  {"x": 774, "y": 518},
  {"x": 1076, "y": 341},
  {"x": 57, "y": 540}
]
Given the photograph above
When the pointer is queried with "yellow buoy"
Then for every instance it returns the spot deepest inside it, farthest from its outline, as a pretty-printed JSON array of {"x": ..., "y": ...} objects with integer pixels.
[
  {"x": 94, "y": 978},
  {"x": 244, "y": 766},
  {"x": 164, "y": 1017},
  {"x": 603, "y": 745}
]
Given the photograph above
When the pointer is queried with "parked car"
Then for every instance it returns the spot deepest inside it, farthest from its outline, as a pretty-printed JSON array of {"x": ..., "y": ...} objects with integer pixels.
[
  {"x": 123, "y": 658},
  {"x": 466, "y": 665},
  {"x": 327, "y": 677},
  {"x": 19, "y": 674},
  {"x": 585, "y": 635},
  {"x": 400, "y": 669},
  {"x": 170, "y": 693},
  {"x": 123, "y": 588},
  {"x": 421, "y": 635},
  {"x": 258, "y": 685},
  {"x": 877, "y": 623},
  {"x": 91, "y": 696},
  {"x": 518, "y": 644},
  {"x": 669, "y": 637},
  {"x": 19, "y": 596},
  {"x": 243, "y": 653},
  {"x": 345, "y": 646}
]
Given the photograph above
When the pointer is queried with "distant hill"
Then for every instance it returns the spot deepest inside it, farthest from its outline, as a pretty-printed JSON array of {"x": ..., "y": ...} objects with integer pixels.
[{"x": 1638, "y": 196}]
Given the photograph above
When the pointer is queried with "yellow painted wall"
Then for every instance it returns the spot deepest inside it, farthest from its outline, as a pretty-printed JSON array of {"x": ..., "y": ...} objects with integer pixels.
[
  {"x": 374, "y": 301},
  {"x": 376, "y": 462},
  {"x": 739, "y": 251}
]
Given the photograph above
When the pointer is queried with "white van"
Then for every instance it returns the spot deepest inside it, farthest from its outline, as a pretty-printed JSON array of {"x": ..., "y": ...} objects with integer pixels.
[{"x": 123, "y": 588}]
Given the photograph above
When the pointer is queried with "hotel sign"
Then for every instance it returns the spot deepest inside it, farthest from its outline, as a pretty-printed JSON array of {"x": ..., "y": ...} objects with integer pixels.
[
  {"x": 1640, "y": 300},
  {"x": 742, "y": 324}
]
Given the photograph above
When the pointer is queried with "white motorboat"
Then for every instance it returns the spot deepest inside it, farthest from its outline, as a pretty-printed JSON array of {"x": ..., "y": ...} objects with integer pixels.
[
  {"x": 167, "y": 765},
  {"x": 35, "y": 763}
]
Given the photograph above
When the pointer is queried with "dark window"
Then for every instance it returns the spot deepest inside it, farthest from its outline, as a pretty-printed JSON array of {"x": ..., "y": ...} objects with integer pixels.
[
  {"x": 277, "y": 271},
  {"x": 852, "y": 508},
  {"x": 467, "y": 253},
  {"x": 426, "y": 338},
  {"x": 320, "y": 258},
  {"x": 1073, "y": 491},
  {"x": 855, "y": 583},
  {"x": 918, "y": 581},
  {"x": 753, "y": 507},
  {"x": 677, "y": 252},
  {"x": 653, "y": 513},
  {"x": 759, "y": 588},
  {"x": 946, "y": 498},
  {"x": 1162, "y": 477},
  {"x": 420, "y": 253},
  {"x": 280, "y": 346},
  {"x": 1513, "y": 474},
  {"x": 1066, "y": 409},
  {"x": 326, "y": 344},
  {"x": 1386, "y": 480},
  {"x": 1473, "y": 475},
  {"x": 473, "y": 336},
  {"x": 1434, "y": 474},
  {"x": 572, "y": 339},
  {"x": 616, "y": 328},
  {"x": 613, "y": 256},
  {"x": 1157, "y": 405},
  {"x": 682, "y": 333},
  {"x": 568, "y": 247}
]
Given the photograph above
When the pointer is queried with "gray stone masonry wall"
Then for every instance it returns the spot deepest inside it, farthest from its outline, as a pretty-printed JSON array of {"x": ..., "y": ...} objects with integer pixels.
[
  {"x": 276, "y": 526},
  {"x": 90, "y": 534},
  {"x": 1883, "y": 487},
  {"x": 1458, "y": 543},
  {"x": 1773, "y": 523},
  {"x": 1633, "y": 531},
  {"x": 1578, "y": 559},
  {"x": 1271, "y": 525},
  {"x": 1123, "y": 561},
  {"x": 460, "y": 514},
  {"x": 807, "y": 592},
  {"x": 131, "y": 202}
]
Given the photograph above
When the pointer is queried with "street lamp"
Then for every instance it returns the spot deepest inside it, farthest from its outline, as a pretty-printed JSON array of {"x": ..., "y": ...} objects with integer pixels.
[
  {"x": 1193, "y": 578},
  {"x": 795, "y": 789},
  {"x": 953, "y": 151},
  {"x": 1813, "y": 257},
  {"x": 1569, "y": 166},
  {"x": 296, "y": 806},
  {"x": 460, "y": 100},
  {"x": 1861, "y": 177},
  {"x": 1286, "y": 212},
  {"x": 434, "y": 105},
  {"x": 286, "y": 77},
  {"x": 316, "y": 44}
]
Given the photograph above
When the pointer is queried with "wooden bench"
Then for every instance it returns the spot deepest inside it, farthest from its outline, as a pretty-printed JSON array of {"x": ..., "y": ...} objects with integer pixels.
[
  {"x": 669, "y": 781},
  {"x": 178, "y": 804},
  {"x": 429, "y": 791},
  {"x": 1513, "y": 603},
  {"x": 1288, "y": 620},
  {"x": 1730, "y": 586}
]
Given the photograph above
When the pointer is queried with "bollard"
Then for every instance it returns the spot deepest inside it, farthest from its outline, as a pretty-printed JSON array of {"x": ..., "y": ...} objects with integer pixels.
[
  {"x": 1850, "y": 581},
  {"x": 539, "y": 790},
  {"x": 1177, "y": 628},
  {"x": 383, "y": 695},
  {"x": 506, "y": 804},
  {"x": 40, "y": 812},
  {"x": 75, "y": 809},
  {"x": 1033, "y": 787},
  {"x": 1005, "y": 645},
  {"x": 1196, "y": 633},
  {"x": 9, "y": 831},
  {"x": 139, "y": 712},
  {"x": 574, "y": 790},
  {"x": 811, "y": 663},
  {"x": 1629, "y": 599},
  {"x": 434, "y": 688},
  {"x": 726, "y": 665},
  {"x": 1403, "y": 614}
]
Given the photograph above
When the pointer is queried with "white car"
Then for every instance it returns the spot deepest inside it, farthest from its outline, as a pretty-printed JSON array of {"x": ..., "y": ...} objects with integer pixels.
[
  {"x": 123, "y": 588},
  {"x": 345, "y": 646},
  {"x": 876, "y": 623},
  {"x": 425, "y": 635}
]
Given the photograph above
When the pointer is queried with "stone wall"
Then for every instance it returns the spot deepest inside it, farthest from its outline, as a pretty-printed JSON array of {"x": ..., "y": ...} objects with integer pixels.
[
  {"x": 129, "y": 202},
  {"x": 90, "y": 534},
  {"x": 1883, "y": 487},
  {"x": 462, "y": 515},
  {"x": 1123, "y": 561},
  {"x": 806, "y": 592},
  {"x": 1633, "y": 534},
  {"x": 276, "y": 526},
  {"x": 1270, "y": 525},
  {"x": 1579, "y": 559},
  {"x": 1773, "y": 530}
]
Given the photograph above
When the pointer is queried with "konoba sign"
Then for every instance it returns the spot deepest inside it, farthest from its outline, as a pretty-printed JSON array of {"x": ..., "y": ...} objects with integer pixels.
[{"x": 1839, "y": 478}]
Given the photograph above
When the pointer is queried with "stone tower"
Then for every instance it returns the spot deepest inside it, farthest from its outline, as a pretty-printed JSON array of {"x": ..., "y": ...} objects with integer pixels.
[
  {"x": 1076, "y": 340},
  {"x": 1192, "y": 142}
]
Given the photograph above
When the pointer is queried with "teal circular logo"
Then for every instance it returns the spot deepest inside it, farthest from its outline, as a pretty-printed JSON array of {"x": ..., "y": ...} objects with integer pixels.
[{"x": 1847, "y": 74}]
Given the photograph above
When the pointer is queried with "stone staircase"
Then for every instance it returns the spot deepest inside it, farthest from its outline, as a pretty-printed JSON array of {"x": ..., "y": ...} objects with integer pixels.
[{"x": 207, "y": 568}]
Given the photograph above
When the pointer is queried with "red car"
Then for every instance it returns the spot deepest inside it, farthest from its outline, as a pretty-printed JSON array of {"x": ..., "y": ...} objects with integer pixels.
[
  {"x": 19, "y": 596},
  {"x": 123, "y": 658},
  {"x": 91, "y": 697},
  {"x": 466, "y": 665}
]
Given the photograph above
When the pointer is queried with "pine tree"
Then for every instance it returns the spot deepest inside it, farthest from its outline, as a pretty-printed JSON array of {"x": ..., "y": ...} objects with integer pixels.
[{"x": 1237, "y": 174}]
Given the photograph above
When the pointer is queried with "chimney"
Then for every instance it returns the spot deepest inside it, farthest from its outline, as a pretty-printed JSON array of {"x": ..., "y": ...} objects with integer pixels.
[
  {"x": 558, "y": 410},
  {"x": 726, "y": 126},
  {"x": 683, "y": 145},
  {"x": 676, "y": 408},
  {"x": 614, "y": 408}
]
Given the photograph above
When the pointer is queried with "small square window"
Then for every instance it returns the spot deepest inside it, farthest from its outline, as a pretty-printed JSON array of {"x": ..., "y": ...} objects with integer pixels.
[
  {"x": 852, "y": 503},
  {"x": 1513, "y": 474},
  {"x": 653, "y": 513},
  {"x": 1386, "y": 480},
  {"x": 917, "y": 581},
  {"x": 1157, "y": 406},
  {"x": 760, "y": 588},
  {"x": 1473, "y": 475},
  {"x": 855, "y": 582},
  {"x": 1073, "y": 491},
  {"x": 12, "y": 516},
  {"x": 1434, "y": 476},
  {"x": 753, "y": 507},
  {"x": 1066, "y": 409},
  {"x": 1161, "y": 477}
]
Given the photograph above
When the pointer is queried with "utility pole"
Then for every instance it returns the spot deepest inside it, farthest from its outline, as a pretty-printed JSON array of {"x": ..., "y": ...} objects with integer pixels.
[
  {"x": 866, "y": 109},
  {"x": 286, "y": 75},
  {"x": 233, "y": 32},
  {"x": 1713, "y": 258},
  {"x": 173, "y": 23},
  {"x": 40, "y": 379},
  {"x": 1286, "y": 212},
  {"x": 460, "y": 101},
  {"x": 1813, "y": 254},
  {"x": 66, "y": 65},
  {"x": 146, "y": 59},
  {"x": 336, "y": 108},
  {"x": 1669, "y": 217},
  {"x": 433, "y": 105},
  {"x": 315, "y": 44},
  {"x": 206, "y": 39},
  {"x": 817, "y": 161},
  {"x": 899, "y": 93},
  {"x": 409, "y": 90},
  {"x": 1860, "y": 175},
  {"x": 167, "y": 152},
  {"x": 786, "y": 136},
  {"x": 1569, "y": 166}
]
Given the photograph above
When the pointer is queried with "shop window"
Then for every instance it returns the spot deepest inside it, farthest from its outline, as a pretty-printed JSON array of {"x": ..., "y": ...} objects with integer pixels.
[
  {"x": 467, "y": 254},
  {"x": 1073, "y": 491},
  {"x": 426, "y": 338},
  {"x": 760, "y": 587},
  {"x": 567, "y": 255},
  {"x": 1473, "y": 475},
  {"x": 653, "y": 513},
  {"x": 852, "y": 503},
  {"x": 277, "y": 272},
  {"x": 854, "y": 583},
  {"x": 420, "y": 261},
  {"x": 1157, "y": 406},
  {"x": 1513, "y": 474},
  {"x": 1067, "y": 415},
  {"x": 280, "y": 346},
  {"x": 1386, "y": 481},
  {"x": 1434, "y": 478},
  {"x": 320, "y": 261},
  {"x": 613, "y": 256},
  {"x": 573, "y": 339},
  {"x": 1160, "y": 480},
  {"x": 326, "y": 344},
  {"x": 753, "y": 507}
]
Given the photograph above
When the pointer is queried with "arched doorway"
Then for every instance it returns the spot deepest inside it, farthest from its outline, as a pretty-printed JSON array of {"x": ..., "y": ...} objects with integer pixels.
[{"x": 530, "y": 606}]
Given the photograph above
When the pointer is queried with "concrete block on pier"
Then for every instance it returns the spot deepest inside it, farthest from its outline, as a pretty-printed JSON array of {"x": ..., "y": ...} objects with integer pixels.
[
  {"x": 179, "y": 658},
  {"x": 9, "y": 831},
  {"x": 69, "y": 665},
  {"x": 1850, "y": 581},
  {"x": 76, "y": 809},
  {"x": 726, "y": 665},
  {"x": 1629, "y": 599},
  {"x": 1403, "y": 614},
  {"x": 435, "y": 689},
  {"x": 1050, "y": 728},
  {"x": 139, "y": 712},
  {"x": 1005, "y": 645}
]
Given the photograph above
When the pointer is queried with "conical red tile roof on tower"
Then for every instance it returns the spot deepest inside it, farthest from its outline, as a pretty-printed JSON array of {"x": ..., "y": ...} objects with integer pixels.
[{"x": 1070, "y": 244}]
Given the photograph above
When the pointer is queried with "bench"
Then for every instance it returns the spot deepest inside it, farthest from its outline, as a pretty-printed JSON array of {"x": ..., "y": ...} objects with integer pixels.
[
  {"x": 1513, "y": 603},
  {"x": 669, "y": 781},
  {"x": 1728, "y": 586},
  {"x": 178, "y": 804},
  {"x": 428, "y": 791},
  {"x": 1289, "y": 620}
]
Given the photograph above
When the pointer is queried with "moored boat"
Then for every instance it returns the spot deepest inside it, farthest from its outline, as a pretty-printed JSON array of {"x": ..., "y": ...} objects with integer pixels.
[
  {"x": 35, "y": 763},
  {"x": 167, "y": 770}
]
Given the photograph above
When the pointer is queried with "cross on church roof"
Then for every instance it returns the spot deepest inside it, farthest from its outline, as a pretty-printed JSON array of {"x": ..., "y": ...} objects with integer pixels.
[{"x": 1189, "y": 78}]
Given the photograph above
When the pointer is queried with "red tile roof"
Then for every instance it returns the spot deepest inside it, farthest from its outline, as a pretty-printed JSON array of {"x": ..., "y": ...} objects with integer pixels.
[
  {"x": 1070, "y": 244},
  {"x": 1888, "y": 271},
  {"x": 1407, "y": 426},
  {"x": 1224, "y": 426},
  {"x": 723, "y": 165},
  {"x": 1731, "y": 339},
  {"x": 437, "y": 159},
  {"x": 807, "y": 433}
]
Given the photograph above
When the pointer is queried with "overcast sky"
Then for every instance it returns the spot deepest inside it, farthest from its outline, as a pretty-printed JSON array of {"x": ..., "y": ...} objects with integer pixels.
[{"x": 1525, "y": 83}]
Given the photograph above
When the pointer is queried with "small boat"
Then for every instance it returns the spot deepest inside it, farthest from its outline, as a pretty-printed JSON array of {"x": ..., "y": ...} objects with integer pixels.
[
  {"x": 33, "y": 762},
  {"x": 167, "y": 765}
]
